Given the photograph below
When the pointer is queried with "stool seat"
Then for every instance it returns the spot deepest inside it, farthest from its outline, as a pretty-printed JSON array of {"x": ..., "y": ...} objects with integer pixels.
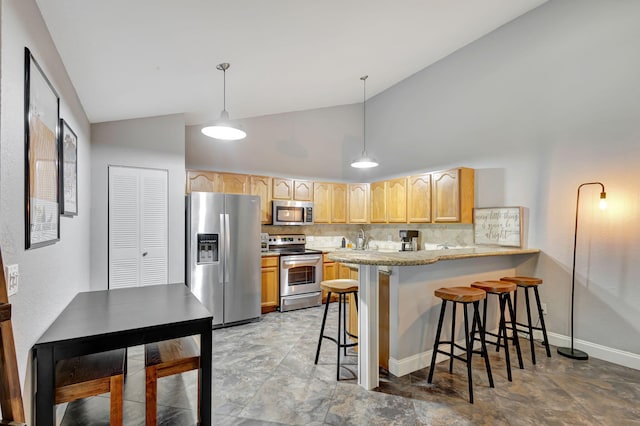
[
  {"x": 494, "y": 286},
  {"x": 460, "y": 294},
  {"x": 342, "y": 285},
  {"x": 523, "y": 281}
]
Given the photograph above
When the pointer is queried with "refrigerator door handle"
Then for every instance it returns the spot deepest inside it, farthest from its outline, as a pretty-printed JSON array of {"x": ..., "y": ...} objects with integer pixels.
[
  {"x": 221, "y": 267},
  {"x": 227, "y": 248}
]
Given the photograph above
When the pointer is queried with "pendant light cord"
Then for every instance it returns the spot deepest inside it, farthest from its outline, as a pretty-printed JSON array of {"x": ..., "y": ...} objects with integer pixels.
[
  {"x": 364, "y": 114},
  {"x": 224, "y": 89}
]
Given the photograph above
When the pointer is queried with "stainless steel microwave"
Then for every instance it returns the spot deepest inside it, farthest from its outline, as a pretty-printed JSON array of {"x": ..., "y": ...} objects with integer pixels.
[{"x": 292, "y": 212}]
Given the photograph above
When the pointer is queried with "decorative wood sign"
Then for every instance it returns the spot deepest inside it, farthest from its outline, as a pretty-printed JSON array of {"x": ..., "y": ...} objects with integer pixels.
[{"x": 500, "y": 226}]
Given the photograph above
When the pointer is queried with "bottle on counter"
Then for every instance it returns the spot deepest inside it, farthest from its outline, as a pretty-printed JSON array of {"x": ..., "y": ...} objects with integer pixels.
[{"x": 344, "y": 243}]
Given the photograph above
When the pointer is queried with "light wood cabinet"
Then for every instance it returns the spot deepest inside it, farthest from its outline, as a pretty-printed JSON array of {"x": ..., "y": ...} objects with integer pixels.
[
  {"x": 202, "y": 181},
  {"x": 396, "y": 195},
  {"x": 419, "y": 198},
  {"x": 322, "y": 202},
  {"x": 232, "y": 183},
  {"x": 303, "y": 190},
  {"x": 338, "y": 203},
  {"x": 378, "y": 195},
  {"x": 261, "y": 185},
  {"x": 270, "y": 284},
  {"x": 453, "y": 195},
  {"x": 358, "y": 202},
  {"x": 282, "y": 189}
]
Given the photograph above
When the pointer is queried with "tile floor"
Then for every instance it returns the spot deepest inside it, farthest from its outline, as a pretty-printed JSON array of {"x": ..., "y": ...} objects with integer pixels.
[{"x": 264, "y": 375}]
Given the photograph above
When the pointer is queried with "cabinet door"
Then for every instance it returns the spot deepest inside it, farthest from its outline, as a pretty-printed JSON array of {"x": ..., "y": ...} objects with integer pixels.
[
  {"x": 397, "y": 200},
  {"x": 338, "y": 203},
  {"x": 322, "y": 202},
  {"x": 419, "y": 199},
  {"x": 303, "y": 190},
  {"x": 282, "y": 189},
  {"x": 270, "y": 283},
  {"x": 378, "y": 202},
  {"x": 358, "y": 203},
  {"x": 202, "y": 181},
  {"x": 261, "y": 185},
  {"x": 446, "y": 196},
  {"x": 231, "y": 183}
]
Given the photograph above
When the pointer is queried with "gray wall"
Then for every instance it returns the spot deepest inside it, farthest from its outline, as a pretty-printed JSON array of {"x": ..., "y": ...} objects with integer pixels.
[
  {"x": 156, "y": 143},
  {"x": 52, "y": 275},
  {"x": 537, "y": 107}
]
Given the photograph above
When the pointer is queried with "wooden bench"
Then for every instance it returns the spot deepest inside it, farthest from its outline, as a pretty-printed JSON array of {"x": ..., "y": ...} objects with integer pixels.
[
  {"x": 90, "y": 375},
  {"x": 167, "y": 358}
]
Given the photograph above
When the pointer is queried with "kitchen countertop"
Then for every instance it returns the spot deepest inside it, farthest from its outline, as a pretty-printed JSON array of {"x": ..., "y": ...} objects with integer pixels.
[
  {"x": 421, "y": 257},
  {"x": 269, "y": 253}
]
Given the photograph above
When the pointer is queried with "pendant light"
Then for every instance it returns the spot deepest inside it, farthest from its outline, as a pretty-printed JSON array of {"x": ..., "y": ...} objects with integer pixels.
[
  {"x": 364, "y": 162},
  {"x": 222, "y": 129}
]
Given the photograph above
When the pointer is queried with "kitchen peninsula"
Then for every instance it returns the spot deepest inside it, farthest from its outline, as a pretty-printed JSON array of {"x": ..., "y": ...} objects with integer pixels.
[{"x": 413, "y": 310}]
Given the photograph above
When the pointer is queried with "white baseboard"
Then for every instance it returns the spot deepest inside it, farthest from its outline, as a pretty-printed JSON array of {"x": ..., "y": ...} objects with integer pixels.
[{"x": 401, "y": 367}]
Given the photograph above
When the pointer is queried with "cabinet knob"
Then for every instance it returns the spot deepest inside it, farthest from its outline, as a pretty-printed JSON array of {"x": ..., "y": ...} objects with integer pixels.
[{"x": 145, "y": 253}]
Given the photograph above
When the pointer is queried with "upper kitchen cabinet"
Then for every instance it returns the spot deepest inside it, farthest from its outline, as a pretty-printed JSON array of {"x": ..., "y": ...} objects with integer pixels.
[
  {"x": 358, "y": 202},
  {"x": 378, "y": 195},
  {"x": 339, "y": 203},
  {"x": 389, "y": 201},
  {"x": 232, "y": 183},
  {"x": 330, "y": 202},
  {"x": 202, "y": 181},
  {"x": 419, "y": 198},
  {"x": 289, "y": 189},
  {"x": 453, "y": 195},
  {"x": 261, "y": 185},
  {"x": 322, "y": 202},
  {"x": 396, "y": 194}
]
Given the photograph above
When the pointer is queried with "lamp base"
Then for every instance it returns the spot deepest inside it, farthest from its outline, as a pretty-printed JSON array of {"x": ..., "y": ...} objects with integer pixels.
[{"x": 573, "y": 353}]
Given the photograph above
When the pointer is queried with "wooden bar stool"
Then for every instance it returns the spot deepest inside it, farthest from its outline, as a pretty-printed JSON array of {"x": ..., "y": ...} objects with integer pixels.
[
  {"x": 167, "y": 358},
  {"x": 91, "y": 375},
  {"x": 503, "y": 290},
  {"x": 526, "y": 283},
  {"x": 464, "y": 295},
  {"x": 341, "y": 287}
]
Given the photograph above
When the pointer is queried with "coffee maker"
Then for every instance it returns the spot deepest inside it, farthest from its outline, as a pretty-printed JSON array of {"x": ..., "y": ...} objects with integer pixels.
[{"x": 409, "y": 240}]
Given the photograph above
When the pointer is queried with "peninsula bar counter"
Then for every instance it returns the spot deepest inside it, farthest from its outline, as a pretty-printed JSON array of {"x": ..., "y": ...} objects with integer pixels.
[{"x": 412, "y": 309}]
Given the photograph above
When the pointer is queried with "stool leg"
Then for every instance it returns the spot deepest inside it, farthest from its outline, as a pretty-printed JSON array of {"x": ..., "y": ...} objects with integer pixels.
[
  {"x": 340, "y": 299},
  {"x": 514, "y": 330},
  {"x": 533, "y": 350},
  {"x": 324, "y": 321},
  {"x": 503, "y": 330},
  {"x": 544, "y": 329},
  {"x": 469, "y": 350},
  {"x": 453, "y": 336},
  {"x": 437, "y": 341},
  {"x": 344, "y": 322},
  {"x": 483, "y": 342}
]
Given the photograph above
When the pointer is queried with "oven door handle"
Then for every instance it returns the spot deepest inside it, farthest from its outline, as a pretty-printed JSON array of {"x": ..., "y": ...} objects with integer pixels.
[{"x": 288, "y": 264}]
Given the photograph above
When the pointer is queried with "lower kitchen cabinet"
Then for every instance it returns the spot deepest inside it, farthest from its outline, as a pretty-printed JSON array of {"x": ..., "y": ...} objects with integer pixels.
[{"x": 270, "y": 284}]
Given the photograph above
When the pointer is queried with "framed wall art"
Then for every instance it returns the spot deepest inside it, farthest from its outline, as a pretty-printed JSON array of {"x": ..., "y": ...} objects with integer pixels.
[
  {"x": 499, "y": 226},
  {"x": 68, "y": 170},
  {"x": 41, "y": 120}
]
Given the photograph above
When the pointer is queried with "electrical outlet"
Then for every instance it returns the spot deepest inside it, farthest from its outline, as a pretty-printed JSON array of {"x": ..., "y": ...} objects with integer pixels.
[
  {"x": 544, "y": 309},
  {"x": 12, "y": 274}
]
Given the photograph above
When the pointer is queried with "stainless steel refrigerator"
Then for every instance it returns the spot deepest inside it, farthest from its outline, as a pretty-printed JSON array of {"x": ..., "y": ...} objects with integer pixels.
[{"x": 223, "y": 255}]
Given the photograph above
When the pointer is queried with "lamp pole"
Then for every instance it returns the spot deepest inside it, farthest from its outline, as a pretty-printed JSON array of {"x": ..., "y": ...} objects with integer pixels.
[{"x": 572, "y": 352}]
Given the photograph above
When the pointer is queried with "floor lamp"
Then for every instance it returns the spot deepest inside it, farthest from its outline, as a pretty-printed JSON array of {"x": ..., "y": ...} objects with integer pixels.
[{"x": 571, "y": 352}]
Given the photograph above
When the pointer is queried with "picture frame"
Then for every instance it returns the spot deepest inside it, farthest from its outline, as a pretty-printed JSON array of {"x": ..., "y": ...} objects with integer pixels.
[
  {"x": 499, "y": 226},
  {"x": 68, "y": 170},
  {"x": 41, "y": 127}
]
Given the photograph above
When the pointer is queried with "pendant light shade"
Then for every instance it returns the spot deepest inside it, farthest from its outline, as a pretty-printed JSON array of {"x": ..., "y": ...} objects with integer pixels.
[
  {"x": 222, "y": 129},
  {"x": 364, "y": 162}
]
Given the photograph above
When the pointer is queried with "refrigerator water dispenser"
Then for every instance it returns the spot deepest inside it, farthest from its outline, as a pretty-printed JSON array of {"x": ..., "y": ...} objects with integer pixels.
[{"x": 207, "y": 248}]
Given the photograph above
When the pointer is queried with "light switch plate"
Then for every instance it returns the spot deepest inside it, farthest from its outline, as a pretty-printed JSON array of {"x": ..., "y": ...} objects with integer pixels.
[{"x": 12, "y": 274}]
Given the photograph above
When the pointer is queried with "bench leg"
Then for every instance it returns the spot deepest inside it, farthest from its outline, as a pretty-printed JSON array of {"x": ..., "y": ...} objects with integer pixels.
[
  {"x": 152, "y": 396},
  {"x": 116, "y": 400}
]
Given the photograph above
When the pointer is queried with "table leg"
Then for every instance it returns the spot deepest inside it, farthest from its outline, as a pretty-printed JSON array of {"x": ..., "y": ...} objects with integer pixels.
[
  {"x": 368, "y": 362},
  {"x": 205, "y": 375},
  {"x": 45, "y": 407}
]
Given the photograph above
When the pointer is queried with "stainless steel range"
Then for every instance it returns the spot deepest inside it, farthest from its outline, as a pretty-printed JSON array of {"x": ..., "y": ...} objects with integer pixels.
[{"x": 300, "y": 272}]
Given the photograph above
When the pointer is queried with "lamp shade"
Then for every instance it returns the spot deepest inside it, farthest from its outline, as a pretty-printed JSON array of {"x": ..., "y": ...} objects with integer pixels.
[{"x": 364, "y": 162}]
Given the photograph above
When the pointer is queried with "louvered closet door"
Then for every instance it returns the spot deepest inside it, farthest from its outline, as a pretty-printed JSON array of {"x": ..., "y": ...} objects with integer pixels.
[{"x": 138, "y": 228}]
